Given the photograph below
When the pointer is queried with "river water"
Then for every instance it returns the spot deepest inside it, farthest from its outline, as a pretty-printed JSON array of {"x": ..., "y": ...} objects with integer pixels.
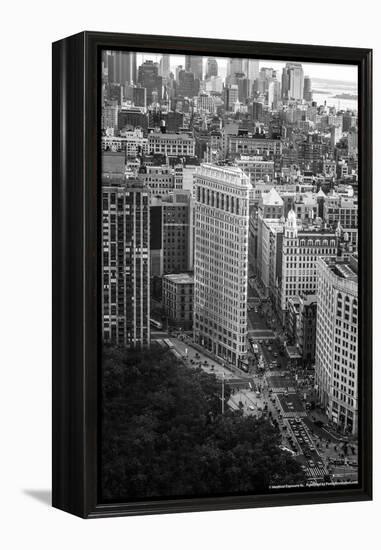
[{"x": 325, "y": 90}]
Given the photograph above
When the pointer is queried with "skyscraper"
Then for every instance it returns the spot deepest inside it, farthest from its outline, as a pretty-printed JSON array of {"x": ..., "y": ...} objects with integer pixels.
[
  {"x": 336, "y": 368},
  {"x": 211, "y": 67},
  {"x": 251, "y": 68},
  {"x": 193, "y": 63},
  {"x": 172, "y": 217},
  {"x": 122, "y": 67},
  {"x": 293, "y": 81},
  {"x": 125, "y": 262},
  {"x": 235, "y": 66},
  {"x": 221, "y": 260},
  {"x": 148, "y": 77},
  {"x": 307, "y": 89},
  {"x": 164, "y": 66},
  {"x": 188, "y": 84},
  {"x": 231, "y": 96}
]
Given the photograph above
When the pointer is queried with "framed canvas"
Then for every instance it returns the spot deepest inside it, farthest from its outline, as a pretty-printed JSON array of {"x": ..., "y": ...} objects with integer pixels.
[{"x": 211, "y": 232}]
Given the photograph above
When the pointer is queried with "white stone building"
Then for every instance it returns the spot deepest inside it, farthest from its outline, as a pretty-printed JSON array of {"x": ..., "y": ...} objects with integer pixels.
[
  {"x": 336, "y": 368},
  {"x": 221, "y": 261}
]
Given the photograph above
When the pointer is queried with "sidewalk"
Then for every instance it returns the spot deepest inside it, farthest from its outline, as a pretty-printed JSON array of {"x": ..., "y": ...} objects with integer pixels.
[{"x": 189, "y": 350}]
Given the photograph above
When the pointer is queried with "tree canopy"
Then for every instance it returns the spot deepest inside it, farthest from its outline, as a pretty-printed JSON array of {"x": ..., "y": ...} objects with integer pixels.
[{"x": 163, "y": 434}]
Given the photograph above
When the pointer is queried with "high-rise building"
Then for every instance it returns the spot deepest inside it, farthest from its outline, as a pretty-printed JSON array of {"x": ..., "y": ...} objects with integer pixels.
[
  {"x": 148, "y": 77},
  {"x": 109, "y": 117},
  {"x": 302, "y": 246},
  {"x": 336, "y": 370},
  {"x": 352, "y": 142},
  {"x": 307, "y": 89},
  {"x": 164, "y": 66},
  {"x": 211, "y": 67},
  {"x": 270, "y": 207},
  {"x": 235, "y": 66},
  {"x": 244, "y": 88},
  {"x": 269, "y": 254},
  {"x": 251, "y": 68},
  {"x": 312, "y": 152},
  {"x": 188, "y": 85},
  {"x": 205, "y": 103},
  {"x": 273, "y": 94},
  {"x": 301, "y": 325},
  {"x": 139, "y": 96},
  {"x": 125, "y": 262},
  {"x": 231, "y": 97},
  {"x": 349, "y": 120},
  {"x": 172, "y": 233},
  {"x": 293, "y": 82},
  {"x": 221, "y": 261},
  {"x": 122, "y": 67},
  {"x": 193, "y": 63}
]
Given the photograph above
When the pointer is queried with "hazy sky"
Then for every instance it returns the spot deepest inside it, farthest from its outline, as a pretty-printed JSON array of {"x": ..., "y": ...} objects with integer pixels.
[{"x": 329, "y": 71}]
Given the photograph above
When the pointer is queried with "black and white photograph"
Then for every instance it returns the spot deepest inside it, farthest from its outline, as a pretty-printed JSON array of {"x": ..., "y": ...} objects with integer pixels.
[
  {"x": 229, "y": 276},
  {"x": 190, "y": 239}
]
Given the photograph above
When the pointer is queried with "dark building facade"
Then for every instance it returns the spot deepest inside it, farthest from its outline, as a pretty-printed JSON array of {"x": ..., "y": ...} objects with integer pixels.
[
  {"x": 178, "y": 299},
  {"x": 122, "y": 67},
  {"x": 301, "y": 325},
  {"x": 125, "y": 261},
  {"x": 148, "y": 77},
  {"x": 188, "y": 85},
  {"x": 172, "y": 233}
]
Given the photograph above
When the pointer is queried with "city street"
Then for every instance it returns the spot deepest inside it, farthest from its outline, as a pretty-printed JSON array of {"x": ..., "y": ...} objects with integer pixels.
[
  {"x": 278, "y": 395},
  {"x": 194, "y": 358}
]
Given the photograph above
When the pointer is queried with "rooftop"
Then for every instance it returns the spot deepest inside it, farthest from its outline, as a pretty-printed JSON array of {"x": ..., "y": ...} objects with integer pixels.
[
  {"x": 345, "y": 269},
  {"x": 166, "y": 135},
  {"x": 180, "y": 278},
  {"x": 272, "y": 198}
]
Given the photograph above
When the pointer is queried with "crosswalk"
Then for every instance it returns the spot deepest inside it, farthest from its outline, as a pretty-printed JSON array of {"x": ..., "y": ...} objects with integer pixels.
[
  {"x": 316, "y": 472},
  {"x": 293, "y": 414}
]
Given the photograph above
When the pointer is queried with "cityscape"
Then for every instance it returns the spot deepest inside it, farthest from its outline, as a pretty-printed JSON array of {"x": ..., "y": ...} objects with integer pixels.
[{"x": 229, "y": 275}]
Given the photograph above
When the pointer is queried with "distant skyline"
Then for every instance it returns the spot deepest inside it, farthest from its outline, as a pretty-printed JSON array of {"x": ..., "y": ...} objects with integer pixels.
[{"x": 327, "y": 71}]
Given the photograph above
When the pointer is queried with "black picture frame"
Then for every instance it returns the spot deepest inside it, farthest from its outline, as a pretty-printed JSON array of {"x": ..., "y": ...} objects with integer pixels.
[{"x": 76, "y": 335}]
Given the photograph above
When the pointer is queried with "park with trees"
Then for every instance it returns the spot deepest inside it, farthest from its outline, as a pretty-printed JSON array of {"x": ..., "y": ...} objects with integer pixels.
[{"x": 164, "y": 435}]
